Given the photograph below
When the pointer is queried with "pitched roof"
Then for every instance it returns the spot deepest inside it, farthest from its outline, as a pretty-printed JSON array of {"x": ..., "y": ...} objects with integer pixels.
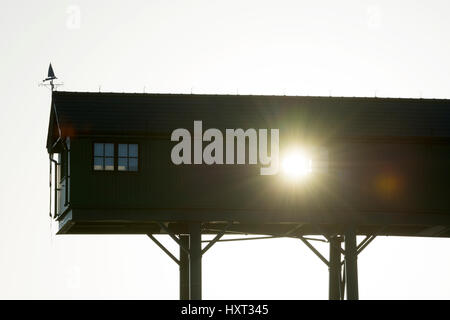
[{"x": 83, "y": 113}]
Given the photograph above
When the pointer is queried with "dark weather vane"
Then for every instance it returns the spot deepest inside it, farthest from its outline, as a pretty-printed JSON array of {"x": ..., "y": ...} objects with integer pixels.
[{"x": 50, "y": 77}]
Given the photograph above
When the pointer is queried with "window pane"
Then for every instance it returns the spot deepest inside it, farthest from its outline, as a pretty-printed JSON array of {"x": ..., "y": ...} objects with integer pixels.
[
  {"x": 133, "y": 150},
  {"x": 98, "y": 163},
  {"x": 109, "y": 164},
  {"x": 122, "y": 164},
  {"x": 133, "y": 164},
  {"x": 109, "y": 150},
  {"x": 98, "y": 149},
  {"x": 123, "y": 152}
]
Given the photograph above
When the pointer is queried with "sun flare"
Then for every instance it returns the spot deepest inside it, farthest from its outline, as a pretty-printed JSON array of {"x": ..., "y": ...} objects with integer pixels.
[{"x": 296, "y": 165}]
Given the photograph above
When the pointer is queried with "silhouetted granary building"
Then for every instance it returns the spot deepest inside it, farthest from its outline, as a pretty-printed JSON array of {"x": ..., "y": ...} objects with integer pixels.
[
  {"x": 187, "y": 165},
  {"x": 388, "y": 163}
]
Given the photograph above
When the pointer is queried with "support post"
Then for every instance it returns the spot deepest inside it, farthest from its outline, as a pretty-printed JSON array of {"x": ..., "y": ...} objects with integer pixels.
[
  {"x": 334, "y": 289},
  {"x": 195, "y": 261},
  {"x": 184, "y": 268},
  {"x": 351, "y": 264}
]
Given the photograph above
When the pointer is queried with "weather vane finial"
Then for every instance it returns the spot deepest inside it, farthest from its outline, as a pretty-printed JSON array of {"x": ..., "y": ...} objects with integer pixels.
[{"x": 50, "y": 77}]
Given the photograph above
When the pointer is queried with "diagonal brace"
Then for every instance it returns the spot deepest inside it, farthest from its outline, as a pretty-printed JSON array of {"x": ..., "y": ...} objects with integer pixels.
[
  {"x": 324, "y": 234},
  {"x": 365, "y": 243},
  {"x": 159, "y": 244},
  {"x": 318, "y": 254},
  {"x": 216, "y": 238},
  {"x": 174, "y": 237}
]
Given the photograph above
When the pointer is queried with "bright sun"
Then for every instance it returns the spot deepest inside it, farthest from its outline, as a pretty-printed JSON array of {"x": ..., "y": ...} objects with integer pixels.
[{"x": 296, "y": 165}]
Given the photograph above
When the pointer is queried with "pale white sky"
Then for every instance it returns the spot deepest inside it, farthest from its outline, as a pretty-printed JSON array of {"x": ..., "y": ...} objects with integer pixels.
[{"x": 351, "y": 48}]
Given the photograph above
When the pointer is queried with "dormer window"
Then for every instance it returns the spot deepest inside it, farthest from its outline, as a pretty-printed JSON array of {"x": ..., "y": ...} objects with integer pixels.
[{"x": 116, "y": 156}]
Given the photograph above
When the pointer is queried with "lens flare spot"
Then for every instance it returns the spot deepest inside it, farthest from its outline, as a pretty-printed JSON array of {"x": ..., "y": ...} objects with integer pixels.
[{"x": 296, "y": 165}]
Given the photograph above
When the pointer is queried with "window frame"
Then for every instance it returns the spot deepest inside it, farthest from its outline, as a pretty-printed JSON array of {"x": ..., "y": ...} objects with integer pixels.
[
  {"x": 116, "y": 157},
  {"x": 128, "y": 157},
  {"x": 103, "y": 156}
]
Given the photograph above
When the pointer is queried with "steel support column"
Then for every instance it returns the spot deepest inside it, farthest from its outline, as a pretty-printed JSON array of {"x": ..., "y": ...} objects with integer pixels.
[
  {"x": 334, "y": 289},
  {"x": 195, "y": 261},
  {"x": 351, "y": 264},
  {"x": 184, "y": 268}
]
